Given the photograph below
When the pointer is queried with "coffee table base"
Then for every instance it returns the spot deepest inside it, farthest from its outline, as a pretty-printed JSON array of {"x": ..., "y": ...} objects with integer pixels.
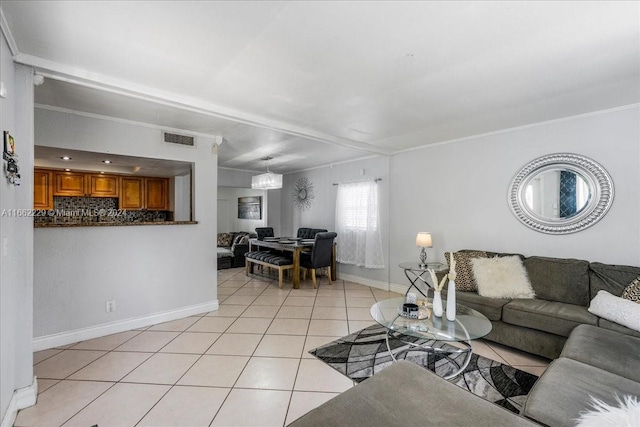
[{"x": 429, "y": 349}]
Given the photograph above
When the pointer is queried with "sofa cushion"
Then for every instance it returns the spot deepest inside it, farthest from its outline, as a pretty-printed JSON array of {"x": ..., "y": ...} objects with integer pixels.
[
  {"x": 612, "y": 351},
  {"x": 612, "y": 326},
  {"x": 225, "y": 239},
  {"x": 490, "y": 307},
  {"x": 559, "y": 279},
  {"x": 464, "y": 273},
  {"x": 548, "y": 316},
  {"x": 616, "y": 309},
  {"x": 224, "y": 252},
  {"x": 405, "y": 394},
  {"x": 632, "y": 291},
  {"x": 563, "y": 391},
  {"x": 501, "y": 277},
  {"x": 611, "y": 278}
]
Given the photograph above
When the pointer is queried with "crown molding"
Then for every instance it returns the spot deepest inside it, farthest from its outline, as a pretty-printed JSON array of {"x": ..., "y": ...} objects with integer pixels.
[
  {"x": 125, "y": 121},
  {"x": 78, "y": 76},
  {"x": 523, "y": 127}
]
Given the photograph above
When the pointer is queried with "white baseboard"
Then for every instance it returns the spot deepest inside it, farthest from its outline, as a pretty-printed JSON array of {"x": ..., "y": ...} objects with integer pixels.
[
  {"x": 70, "y": 337},
  {"x": 22, "y": 398},
  {"x": 386, "y": 286}
]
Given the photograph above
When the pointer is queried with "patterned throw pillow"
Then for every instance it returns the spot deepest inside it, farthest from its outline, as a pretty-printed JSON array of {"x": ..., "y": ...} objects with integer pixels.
[
  {"x": 224, "y": 239},
  {"x": 465, "y": 281},
  {"x": 632, "y": 291},
  {"x": 238, "y": 238}
]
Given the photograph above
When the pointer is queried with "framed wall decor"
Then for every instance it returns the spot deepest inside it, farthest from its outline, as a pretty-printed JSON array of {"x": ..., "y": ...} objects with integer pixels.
[
  {"x": 303, "y": 194},
  {"x": 250, "y": 207},
  {"x": 9, "y": 146}
]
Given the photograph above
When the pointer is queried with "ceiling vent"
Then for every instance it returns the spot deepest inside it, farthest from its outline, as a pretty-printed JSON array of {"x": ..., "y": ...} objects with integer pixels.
[{"x": 174, "y": 138}]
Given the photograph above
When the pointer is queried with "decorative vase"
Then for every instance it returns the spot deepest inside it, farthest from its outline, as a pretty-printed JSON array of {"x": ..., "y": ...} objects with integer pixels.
[
  {"x": 437, "y": 304},
  {"x": 451, "y": 301}
]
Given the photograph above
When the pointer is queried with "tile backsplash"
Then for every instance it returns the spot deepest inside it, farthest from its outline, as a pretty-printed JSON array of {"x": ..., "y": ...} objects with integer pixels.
[{"x": 85, "y": 210}]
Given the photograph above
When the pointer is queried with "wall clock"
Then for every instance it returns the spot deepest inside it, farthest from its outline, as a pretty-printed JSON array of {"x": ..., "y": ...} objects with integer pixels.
[{"x": 302, "y": 194}]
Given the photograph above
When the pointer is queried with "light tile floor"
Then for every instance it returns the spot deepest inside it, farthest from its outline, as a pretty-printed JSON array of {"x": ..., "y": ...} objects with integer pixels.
[{"x": 246, "y": 364}]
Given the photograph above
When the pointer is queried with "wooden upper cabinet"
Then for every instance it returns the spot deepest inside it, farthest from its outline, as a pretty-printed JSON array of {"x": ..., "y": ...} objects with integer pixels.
[
  {"x": 131, "y": 193},
  {"x": 42, "y": 189},
  {"x": 103, "y": 185},
  {"x": 157, "y": 194},
  {"x": 69, "y": 184}
]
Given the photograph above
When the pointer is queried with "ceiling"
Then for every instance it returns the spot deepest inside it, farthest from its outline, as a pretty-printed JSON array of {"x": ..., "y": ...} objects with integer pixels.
[
  {"x": 316, "y": 83},
  {"x": 51, "y": 157}
]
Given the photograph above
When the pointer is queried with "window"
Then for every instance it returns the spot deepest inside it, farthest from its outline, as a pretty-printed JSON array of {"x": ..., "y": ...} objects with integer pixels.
[{"x": 357, "y": 216}]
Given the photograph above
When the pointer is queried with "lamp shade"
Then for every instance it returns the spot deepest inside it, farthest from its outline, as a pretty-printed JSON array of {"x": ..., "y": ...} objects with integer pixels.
[
  {"x": 266, "y": 181},
  {"x": 424, "y": 240}
]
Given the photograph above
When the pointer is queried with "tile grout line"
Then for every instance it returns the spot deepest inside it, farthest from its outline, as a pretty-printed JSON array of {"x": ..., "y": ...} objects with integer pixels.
[{"x": 295, "y": 379}]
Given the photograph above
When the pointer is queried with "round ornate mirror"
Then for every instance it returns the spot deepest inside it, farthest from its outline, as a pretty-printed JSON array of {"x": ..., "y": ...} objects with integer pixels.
[{"x": 561, "y": 193}]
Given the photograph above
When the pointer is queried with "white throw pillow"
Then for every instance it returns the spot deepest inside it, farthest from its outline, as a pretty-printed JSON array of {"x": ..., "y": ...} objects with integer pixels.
[
  {"x": 604, "y": 415},
  {"x": 616, "y": 309},
  {"x": 502, "y": 277}
]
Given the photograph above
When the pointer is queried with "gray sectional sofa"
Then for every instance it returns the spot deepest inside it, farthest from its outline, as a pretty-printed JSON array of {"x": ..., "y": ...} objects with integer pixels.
[
  {"x": 564, "y": 287},
  {"x": 595, "y": 362},
  {"x": 594, "y": 358}
]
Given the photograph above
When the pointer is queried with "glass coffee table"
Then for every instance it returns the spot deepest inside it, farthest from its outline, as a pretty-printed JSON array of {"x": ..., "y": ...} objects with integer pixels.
[{"x": 469, "y": 325}]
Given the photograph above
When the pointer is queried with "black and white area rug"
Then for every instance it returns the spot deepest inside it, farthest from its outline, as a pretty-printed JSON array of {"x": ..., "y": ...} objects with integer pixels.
[{"x": 364, "y": 353}]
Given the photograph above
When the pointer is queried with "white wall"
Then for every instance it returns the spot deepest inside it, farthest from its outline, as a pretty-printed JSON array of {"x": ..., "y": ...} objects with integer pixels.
[
  {"x": 146, "y": 269},
  {"x": 182, "y": 198},
  {"x": 323, "y": 210},
  {"x": 228, "y": 209},
  {"x": 16, "y": 267},
  {"x": 242, "y": 179},
  {"x": 458, "y": 191}
]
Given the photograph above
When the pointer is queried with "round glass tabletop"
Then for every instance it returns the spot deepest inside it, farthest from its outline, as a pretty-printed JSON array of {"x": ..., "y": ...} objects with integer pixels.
[
  {"x": 469, "y": 324},
  {"x": 416, "y": 266}
]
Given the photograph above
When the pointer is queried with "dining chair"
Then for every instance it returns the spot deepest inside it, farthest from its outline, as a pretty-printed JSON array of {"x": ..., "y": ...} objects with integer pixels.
[
  {"x": 320, "y": 256},
  {"x": 263, "y": 232},
  {"x": 309, "y": 233}
]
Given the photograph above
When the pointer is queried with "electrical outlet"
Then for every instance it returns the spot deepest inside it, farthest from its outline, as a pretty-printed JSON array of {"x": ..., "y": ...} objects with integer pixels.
[{"x": 110, "y": 306}]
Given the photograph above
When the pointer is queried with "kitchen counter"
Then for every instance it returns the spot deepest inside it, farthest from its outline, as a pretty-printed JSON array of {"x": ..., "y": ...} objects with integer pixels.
[{"x": 112, "y": 224}]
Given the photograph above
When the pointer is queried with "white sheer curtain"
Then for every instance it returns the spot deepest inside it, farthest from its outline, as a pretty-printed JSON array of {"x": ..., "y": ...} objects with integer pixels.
[{"x": 357, "y": 225}]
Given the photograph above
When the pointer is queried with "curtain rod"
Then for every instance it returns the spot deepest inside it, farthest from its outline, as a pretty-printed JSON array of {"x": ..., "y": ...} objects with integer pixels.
[{"x": 351, "y": 182}]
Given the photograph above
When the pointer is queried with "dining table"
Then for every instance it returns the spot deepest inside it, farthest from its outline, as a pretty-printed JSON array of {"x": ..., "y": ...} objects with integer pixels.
[{"x": 295, "y": 246}]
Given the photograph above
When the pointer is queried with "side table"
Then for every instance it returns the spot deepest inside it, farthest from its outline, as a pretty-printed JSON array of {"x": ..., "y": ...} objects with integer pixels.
[{"x": 416, "y": 272}]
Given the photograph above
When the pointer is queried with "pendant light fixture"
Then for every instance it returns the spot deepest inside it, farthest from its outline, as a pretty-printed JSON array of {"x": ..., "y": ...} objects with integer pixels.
[{"x": 268, "y": 180}]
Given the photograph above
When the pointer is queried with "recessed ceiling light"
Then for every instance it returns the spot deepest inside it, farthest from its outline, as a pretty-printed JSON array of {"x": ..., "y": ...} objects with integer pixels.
[
  {"x": 101, "y": 172},
  {"x": 106, "y": 161},
  {"x": 65, "y": 158},
  {"x": 67, "y": 170}
]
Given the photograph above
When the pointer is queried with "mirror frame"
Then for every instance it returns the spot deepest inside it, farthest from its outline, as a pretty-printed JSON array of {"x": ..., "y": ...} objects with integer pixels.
[{"x": 600, "y": 200}]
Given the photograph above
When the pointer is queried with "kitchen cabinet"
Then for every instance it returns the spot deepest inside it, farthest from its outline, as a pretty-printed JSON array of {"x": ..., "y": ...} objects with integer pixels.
[
  {"x": 144, "y": 193},
  {"x": 132, "y": 196},
  {"x": 133, "y": 193},
  {"x": 42, "y": 189},
  {"x": 157, "y": 194},
  {"x": 84, "y": 184},
  {"x": 103, "y": 185},
  {"x": 69, "y": 184}
]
